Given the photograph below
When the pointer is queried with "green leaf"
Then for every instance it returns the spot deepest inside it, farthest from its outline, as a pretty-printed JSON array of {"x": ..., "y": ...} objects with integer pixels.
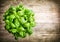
[
  {"x": 19, "y": 8},
  {"x": 30, "y": 31},
  {"x": 16, "y": 35},
  {"x": 32, "y": 24},
  {"x": 13, "y": 30},
  {"x": 7, "y": 21},
  {"x": 27, "y": 25},
  {"x": 20, "y": 13},
  {"x": 12, "y": 16},
  {"x": 22, "y": 20},
  {"x": 31, "y": 19},
  {"x": 16, "y": 22},
  {"x": 22, "y": 34},
  {"x": 12, "y": 8},
  {"x": 6, "y": 13},
  {"x": 7, "y": 26},
  {"x": 21, "y": 29},
  {"x": 7, "y": 17},
  {"x": 25, "y": 16},
  {"x": 12, "y": 25}
]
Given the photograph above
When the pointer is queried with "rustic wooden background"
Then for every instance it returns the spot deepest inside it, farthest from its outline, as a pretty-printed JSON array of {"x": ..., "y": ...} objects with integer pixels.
[{"x": 47, "y": 17}]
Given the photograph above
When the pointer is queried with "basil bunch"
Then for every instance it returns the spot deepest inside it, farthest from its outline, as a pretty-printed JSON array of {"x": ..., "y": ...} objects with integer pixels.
[{"x": 19, "y": 21}]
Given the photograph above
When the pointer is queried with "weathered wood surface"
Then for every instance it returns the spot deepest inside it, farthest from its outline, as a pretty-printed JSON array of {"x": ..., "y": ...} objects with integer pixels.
[{"x": 47, "y": 21}]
